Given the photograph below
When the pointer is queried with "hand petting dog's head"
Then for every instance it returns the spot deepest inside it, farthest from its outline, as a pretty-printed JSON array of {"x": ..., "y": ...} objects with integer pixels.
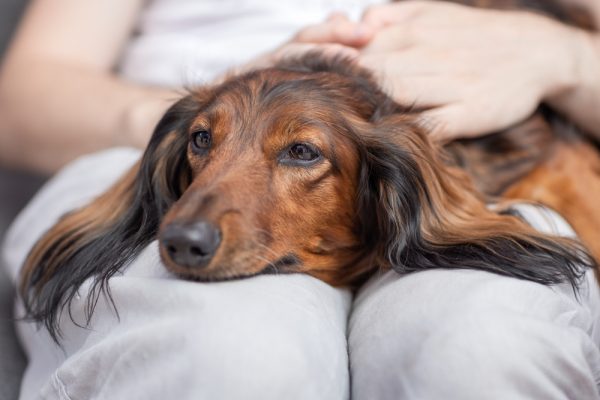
[{"x": 306, "y": 167}]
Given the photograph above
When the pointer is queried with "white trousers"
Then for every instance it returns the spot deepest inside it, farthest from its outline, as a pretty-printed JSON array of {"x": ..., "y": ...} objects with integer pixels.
[{"x": 429, "y": 335}]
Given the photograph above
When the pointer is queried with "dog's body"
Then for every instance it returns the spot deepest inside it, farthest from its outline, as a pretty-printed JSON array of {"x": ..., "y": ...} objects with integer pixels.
[
  {"x": 544, "y": 159},
  {"x": 309, "y": 167}
]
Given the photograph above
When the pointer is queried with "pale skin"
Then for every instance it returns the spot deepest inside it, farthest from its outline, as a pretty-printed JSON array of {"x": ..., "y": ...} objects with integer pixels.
[
  {"x": 480, "y": 71},
  {"x": 60, "y": 98}
]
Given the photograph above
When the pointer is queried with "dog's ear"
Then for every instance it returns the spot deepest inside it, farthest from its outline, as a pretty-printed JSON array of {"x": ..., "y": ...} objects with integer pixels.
[
  {"x": 100, "y": 238},
  {"x": 424, "y": 214}
]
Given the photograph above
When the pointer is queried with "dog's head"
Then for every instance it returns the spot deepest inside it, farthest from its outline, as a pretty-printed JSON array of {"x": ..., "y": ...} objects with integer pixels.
[
  {"x": 305, "y": 167},
  {"x": 272, "y": 161}
]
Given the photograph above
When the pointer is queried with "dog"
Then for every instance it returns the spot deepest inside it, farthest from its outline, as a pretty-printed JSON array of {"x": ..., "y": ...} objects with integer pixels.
[
  {"x": 304, "y": 167},
  {"x": 544, "y": 159}
]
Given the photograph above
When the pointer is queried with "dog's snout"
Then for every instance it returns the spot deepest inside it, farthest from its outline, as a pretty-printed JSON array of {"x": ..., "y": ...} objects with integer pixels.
[{"x": 191, "y": 245}]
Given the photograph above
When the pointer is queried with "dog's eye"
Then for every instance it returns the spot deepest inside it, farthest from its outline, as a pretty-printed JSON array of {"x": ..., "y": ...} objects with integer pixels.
[
  {"x": 303, "y": 152},
  {"x": 201, "y": 140}
]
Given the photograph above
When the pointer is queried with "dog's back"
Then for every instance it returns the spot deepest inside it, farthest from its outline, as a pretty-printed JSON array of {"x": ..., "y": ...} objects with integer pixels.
[{"x": 545, "y": 159}]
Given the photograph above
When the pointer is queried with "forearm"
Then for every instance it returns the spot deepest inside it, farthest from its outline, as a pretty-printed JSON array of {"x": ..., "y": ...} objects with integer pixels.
[
  {"x": 56, "y": 112},
  {"x": 59, "y": 96},
  {"x": 580, "y": 101}
]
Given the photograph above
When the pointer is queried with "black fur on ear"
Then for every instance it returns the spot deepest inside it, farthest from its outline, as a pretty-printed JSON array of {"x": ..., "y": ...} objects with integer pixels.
[
  {"x": 420, "y": 213},
  {"x": 96, "y": 241}
]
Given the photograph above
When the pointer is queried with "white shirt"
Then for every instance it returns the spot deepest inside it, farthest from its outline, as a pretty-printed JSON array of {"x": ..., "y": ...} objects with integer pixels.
[{"x": 180, "y": 43}]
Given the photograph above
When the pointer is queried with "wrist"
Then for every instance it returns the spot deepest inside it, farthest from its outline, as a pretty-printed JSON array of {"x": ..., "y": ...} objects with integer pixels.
[
  {"x": 141, "y": 116},
  {"x": 581, "y": 102},
  {"x": 577, "y": 68}
]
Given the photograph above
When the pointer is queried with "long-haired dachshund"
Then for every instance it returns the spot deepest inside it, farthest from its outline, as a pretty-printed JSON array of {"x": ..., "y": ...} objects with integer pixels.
[{"x": 304, "y": 167}]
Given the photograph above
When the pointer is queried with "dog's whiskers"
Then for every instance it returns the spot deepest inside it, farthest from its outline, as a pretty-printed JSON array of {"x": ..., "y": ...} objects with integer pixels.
[
  {"x": 269, "y": 264},
  {"x": 262, "y": 231},
  {"x": 267, "y": 248}
]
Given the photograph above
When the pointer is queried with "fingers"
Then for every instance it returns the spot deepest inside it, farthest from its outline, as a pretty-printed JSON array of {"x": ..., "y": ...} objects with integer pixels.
[
  {"x": 419, "y": 77},
  {"x": 443, "y": 124},
  {"x": 380, "y": 16},
  {"x": 425, "y": 54},
  {"x": 394, "y": 38},
  {"x": 459, "y": 120},
  {"x": 337, "y": 29}
]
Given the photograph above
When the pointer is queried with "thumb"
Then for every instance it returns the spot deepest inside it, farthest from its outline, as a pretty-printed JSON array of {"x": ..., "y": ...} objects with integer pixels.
[
  {"x": 447, "y": 123},
  {"x": 337, "y": 29}
]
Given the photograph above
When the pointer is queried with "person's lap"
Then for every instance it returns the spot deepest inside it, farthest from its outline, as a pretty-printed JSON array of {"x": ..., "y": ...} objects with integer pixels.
[
  {"x": 461, "y": 334},
  {"x": 266, "y": 338},
  {"x": 436, "y": 334},
  {"x": 269, "y": 337}
]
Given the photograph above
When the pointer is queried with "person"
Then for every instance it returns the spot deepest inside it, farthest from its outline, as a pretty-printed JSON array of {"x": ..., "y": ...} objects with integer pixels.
[
  {"x": 75, "y": 81},
  {"x": 71, "y": 85},
  {"x": 96, "y": 89}
]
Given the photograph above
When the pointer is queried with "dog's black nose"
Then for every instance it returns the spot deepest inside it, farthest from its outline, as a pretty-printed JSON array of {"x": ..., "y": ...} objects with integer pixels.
[{"x": 191, "y": 245}]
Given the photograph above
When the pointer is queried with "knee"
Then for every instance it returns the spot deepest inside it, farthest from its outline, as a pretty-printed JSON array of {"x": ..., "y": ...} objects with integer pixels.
[
  {"x": 216, "y": 357},
  {"x": 245, "y": 356},
  {"x": 477, "y": 352},
  {"x": 268, "y": 359}
]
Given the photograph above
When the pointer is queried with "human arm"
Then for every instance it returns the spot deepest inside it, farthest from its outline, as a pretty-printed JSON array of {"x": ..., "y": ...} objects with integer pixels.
[
  {"x": 59, "y": 95},
  {"x": 61, "y": 98},
  {"x": 483, "y": 70}
]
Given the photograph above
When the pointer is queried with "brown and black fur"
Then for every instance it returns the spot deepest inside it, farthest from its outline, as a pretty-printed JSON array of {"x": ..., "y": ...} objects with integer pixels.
[
  {"x": 545, "y": 159},
  {"x": 379, "y": 196}
]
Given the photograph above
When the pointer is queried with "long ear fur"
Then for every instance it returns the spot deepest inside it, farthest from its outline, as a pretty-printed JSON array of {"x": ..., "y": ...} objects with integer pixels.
[
  {"x": 428, "y": 215},
  {"x": 98, "y": 240}
]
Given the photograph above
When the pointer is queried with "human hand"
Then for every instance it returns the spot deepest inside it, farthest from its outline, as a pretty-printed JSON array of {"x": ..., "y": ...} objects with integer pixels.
[
  {"x": 337, "y": 35},
  {"x": 142, "y": 115},
  {"x": 476, "y": 71}
]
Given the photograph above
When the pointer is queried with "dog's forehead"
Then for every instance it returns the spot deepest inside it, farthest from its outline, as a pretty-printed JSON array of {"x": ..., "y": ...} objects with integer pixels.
[
  {"x": 266, "y": 90},
  {"x": 256, "y": 103}
]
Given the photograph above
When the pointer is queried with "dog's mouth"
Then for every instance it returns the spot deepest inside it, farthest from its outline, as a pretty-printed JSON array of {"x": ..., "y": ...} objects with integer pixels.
[{"x": 286, "y": 264}]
